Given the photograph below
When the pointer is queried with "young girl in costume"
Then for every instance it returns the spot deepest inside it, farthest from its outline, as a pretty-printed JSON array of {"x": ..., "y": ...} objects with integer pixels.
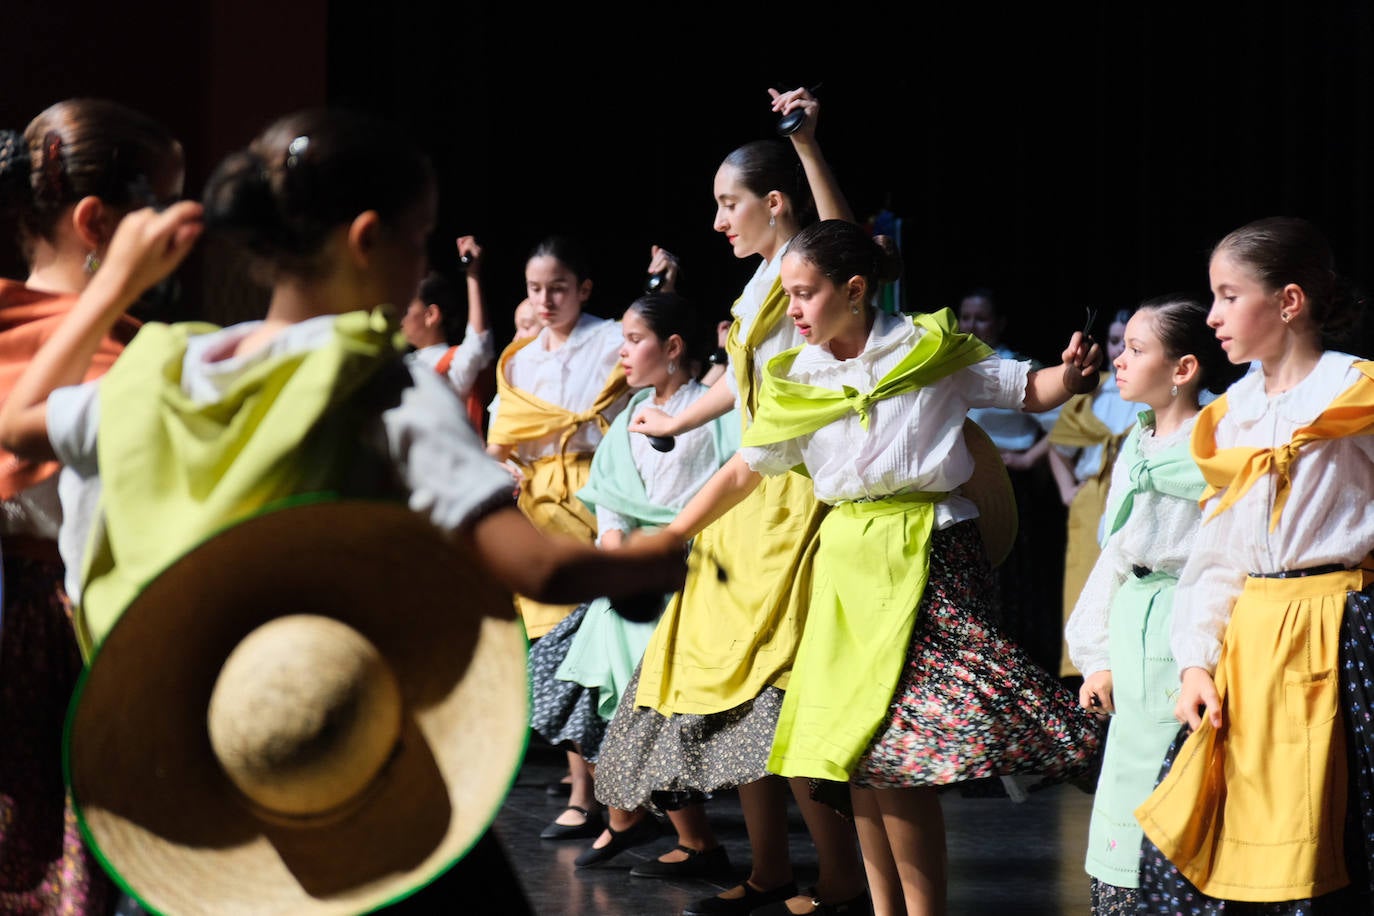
[
  {"x": 901, "y": 684},
  {"x": 214, "y": 424},
  {"x": 1118, "y": 633},
  {"x": 556, "y": 394},
  {"x": 65, "y": 184},
  {"x": 702, "y": 711},
  {"x": 581, "y": 667},
  {"x": 1250, "y": 811},
  {"x": 1084, "y": 441}
]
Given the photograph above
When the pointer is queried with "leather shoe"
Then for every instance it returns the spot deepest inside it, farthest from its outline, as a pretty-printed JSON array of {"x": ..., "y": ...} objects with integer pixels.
[
  {"x": 591, "y": 826},
  {"x": 707, "y": 863},
  {"x": 740, "y": 906},
  {"x": 861, "y": 905},
  {"x": 645, "y": 830}
]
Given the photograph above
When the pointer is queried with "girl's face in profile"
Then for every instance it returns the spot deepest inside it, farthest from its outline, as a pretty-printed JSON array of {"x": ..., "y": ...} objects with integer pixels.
[
  {"x": 741, "y": 214},
  {"x": 643, "y": 356},
  {"x": 1144, "y": 372}
]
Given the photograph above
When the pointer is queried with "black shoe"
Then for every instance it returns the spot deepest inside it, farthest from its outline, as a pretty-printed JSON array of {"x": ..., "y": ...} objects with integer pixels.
[
  {"x": 558, "y": 789},
  {"x": 862, "y": 905},
  {"x": 740, "y": 906},
  {"x": 591, "y": 826},
  {"x": 645, "y": 830},
  {"x": 708, "y": 863}
]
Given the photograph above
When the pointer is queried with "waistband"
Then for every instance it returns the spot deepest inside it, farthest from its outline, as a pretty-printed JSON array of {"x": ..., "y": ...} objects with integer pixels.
[{"x": 1300, "y": 573}]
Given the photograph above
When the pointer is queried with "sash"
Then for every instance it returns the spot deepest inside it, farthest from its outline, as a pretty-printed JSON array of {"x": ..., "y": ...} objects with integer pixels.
[
  {"x": 174, "y": 471},
  {"x": 615, "y": 482},
  {"x": 744, "y": 350},
  {"x": 1236, "y": 469},
  {"x": 789, "y": 409},
  {"x": 522, "y": 417},
  {"x": 1172, "y": 472}
]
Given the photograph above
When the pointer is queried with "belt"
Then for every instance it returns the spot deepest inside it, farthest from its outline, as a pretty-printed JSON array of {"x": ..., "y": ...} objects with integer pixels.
[
  {"x": 1141, "y": 571},
  {"x": 1300, "y": 573}
]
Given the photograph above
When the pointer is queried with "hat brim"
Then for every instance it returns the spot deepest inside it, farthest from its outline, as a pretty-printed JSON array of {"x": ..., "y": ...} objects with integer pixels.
[
  {"x": 151, "y": 797},
  {"x": 991, "y": 491}
]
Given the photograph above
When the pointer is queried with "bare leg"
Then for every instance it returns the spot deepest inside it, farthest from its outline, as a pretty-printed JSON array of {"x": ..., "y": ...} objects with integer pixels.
[
  {"x": 583, "y": 790},
  {"x": 693, "y": 831},
  {"x": 764, "y": 805},
  {"x": 619, "y": 820},
  {"x": 884, "y": 884},
  {"x": 841, "y": 871},
  {"x": 915, "y": 827}
]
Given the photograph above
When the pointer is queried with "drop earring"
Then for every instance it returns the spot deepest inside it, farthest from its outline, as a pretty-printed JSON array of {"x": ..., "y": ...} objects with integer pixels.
[
  {"x": 1285, "y": 316},
  {"x": 672, "y": 367},
  {"x": 1173, "y": 391},
  {"x": 91, "y": 264},
  {"x": 771, "y": 222},
  {"x": 854, "y": 309}
]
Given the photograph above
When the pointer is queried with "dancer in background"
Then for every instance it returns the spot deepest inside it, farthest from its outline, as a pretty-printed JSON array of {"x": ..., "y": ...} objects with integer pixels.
[
  {"x": 1118, "y": 634},
  {"x": 66, "y": 183},
  {"x": 1250, "y": 813}
]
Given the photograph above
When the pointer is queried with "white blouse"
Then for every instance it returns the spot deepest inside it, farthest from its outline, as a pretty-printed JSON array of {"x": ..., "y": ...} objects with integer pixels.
[
  {"x": 473, "y": 355},
  {"x": 570, "y": 377},
  {"x": 1158, "y": 534},
  {"x": 1328, "y": 517},
  {"x": 670, "y": 478},
  {"x": 914, "y": 441}
]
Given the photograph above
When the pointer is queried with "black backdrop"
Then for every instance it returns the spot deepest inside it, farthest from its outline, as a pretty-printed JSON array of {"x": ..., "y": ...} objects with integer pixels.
[{"x": 1066, "y": 155}]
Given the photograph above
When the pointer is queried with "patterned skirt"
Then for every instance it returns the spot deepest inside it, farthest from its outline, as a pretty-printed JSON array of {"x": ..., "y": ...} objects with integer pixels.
[
  {"x": 44, "y": 865},
  {"x": 646, "y": 753},
  {"x": 563, "y": 712},
  {"x": 971, "y": 703}
]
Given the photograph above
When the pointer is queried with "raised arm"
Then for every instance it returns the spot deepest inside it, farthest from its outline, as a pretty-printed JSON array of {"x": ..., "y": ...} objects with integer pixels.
[
  {"x": 471, "y": 254},
  {"x": 1051, "y": 386},
  {"x": 145, "y": 249},
  {"x": 830, "y": 202}
]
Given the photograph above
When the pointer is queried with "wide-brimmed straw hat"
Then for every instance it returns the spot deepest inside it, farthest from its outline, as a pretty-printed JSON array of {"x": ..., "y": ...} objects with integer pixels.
[
  {"x": 990, "y": 490},
  {"x": 318, "y": 710}
]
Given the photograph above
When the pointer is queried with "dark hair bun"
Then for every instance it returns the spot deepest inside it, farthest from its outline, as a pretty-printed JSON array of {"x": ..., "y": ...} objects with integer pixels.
[
  {"x": 15, "y": 167},
  {"x": 239, "y": 203}
]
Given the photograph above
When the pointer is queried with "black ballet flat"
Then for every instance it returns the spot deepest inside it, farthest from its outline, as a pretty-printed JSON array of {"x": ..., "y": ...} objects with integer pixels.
[{"x": 645, "y": 831}]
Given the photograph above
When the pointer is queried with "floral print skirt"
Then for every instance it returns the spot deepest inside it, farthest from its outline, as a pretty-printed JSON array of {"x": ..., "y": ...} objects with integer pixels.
[{"x": 971, "y": 703}]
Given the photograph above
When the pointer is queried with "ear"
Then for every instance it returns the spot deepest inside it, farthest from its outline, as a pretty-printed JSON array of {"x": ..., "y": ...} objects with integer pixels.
[
  {"x": 674, "y": 347},
  {"x": 776, "y": 204},
  {"x": 364, "y": 233},
  {"x": 855, "y": 289},
  {"x": 584, "y": 290},
  {"x": 89, "y": 218},
  {"x": 1185, "y": 370},
  {"x": 433, "y": 315},
  {"x": 1292, "y": 301}
]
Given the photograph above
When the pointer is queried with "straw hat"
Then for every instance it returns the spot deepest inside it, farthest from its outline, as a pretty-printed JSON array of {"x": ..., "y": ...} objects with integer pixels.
[
  {"x": 318, "y": 710},
  {"x": 990, "y": 489}
]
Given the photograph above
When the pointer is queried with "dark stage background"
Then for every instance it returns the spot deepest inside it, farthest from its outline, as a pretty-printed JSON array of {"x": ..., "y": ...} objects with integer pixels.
[{"x": 1068, "y": 155}]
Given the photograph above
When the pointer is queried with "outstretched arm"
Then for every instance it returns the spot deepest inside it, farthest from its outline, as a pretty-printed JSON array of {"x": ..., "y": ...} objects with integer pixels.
[
  {"x": 726, "y": 489},
  {"x": 1050, "y": 387},
  {"x": 718, "y": 400},
  {"x": 560, "y": 569},
  {"x": 146, "y": 247}
]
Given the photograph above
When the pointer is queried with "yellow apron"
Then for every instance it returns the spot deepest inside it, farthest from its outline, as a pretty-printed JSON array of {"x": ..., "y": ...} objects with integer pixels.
[
  {"x": 548, "y": 493},
  {"x": 1254, "y": 812},
  {"x": 718, "y": 644}
]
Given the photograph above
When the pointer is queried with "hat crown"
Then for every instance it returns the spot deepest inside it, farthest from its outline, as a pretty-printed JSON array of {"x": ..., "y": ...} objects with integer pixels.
[{"x": 304, "y": 715}]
